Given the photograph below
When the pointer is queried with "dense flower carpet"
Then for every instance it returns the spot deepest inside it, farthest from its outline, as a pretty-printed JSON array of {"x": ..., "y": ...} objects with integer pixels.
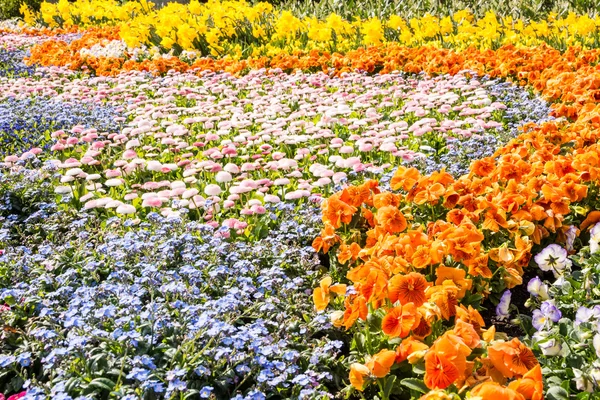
[{"x": 225, "y": 200}]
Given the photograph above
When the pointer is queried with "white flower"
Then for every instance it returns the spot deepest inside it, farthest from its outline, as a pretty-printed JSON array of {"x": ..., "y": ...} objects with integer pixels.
[
  {"x": 553, "y": 258},
  {"x": 154, "y": 165},
  {"x": 177, "y": 184},
  {"x": 74, "y": 172},
  {"x": 271, "y": 198},
  {"x": 281, "y": 182},
  {"x": 86, "y": 197},
  {"x": 223, "y": 176},
  {"x": 189, "y": 193},
  {"x": 212, "y": 190},
  {"x": 550, "y": 347},
  {"x": 232, "y": 168},
  {"x": 596, "y": 342},
  {"x": 582, "y": 382},
  {"x": 296, "y": 194},
  {"x": 595, "y": 238},
  {"x": 93, "y": 177},
  {"x": 62, "y": 189},
  {"x": 125, "y": 209},
  {"x": 537, "y": 288},
  {"x": 113, "y": 182},
  {"x": 571, "y": 234}
]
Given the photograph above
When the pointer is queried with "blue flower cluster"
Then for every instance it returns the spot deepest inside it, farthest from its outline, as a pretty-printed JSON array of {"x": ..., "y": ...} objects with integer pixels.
[
  {"x": 522, "y": 107},
  {"x": 27, "y": 123},
  {"x": 12, "y": 64},
  {"x": 161, "y": 308}
]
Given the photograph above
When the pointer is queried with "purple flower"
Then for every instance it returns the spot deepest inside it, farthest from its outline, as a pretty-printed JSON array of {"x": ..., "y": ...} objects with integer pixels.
[
  {"x": 502, "y": 309},
  {"x": 553, "y": 258},
  {"x": 551, "y": 311},
  {"x": 206, "y": 391},
  {"x": 547, "y": 314},
  {"x": 585, "y": 314}
]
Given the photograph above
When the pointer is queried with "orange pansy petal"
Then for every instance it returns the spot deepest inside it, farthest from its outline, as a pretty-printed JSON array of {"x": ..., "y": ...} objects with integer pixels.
[{"x": 439, "y": 372}]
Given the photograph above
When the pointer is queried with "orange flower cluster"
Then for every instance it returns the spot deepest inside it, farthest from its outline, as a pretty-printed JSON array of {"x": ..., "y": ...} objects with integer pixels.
[
  {"x": 414, "y": 255},
  {"x": 419, "y": 273},
  {"x": 544, "y": 68},
  {"x": 62, "y": 54}
]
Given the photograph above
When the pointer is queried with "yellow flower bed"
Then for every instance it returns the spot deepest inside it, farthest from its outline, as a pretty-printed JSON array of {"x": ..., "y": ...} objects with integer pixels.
[{"x": 240, "y": 29}]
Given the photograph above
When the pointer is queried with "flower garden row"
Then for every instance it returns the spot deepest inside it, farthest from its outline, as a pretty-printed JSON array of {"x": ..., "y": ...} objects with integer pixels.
[
  {"x": 157, "y": 212},
  {"x": 240, "y": 29}
]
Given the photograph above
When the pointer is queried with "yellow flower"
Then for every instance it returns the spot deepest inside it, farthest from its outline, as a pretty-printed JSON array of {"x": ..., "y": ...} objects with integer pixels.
[
  {"x": 258, "y": 32},
  {"x": 372, "y": 31},
  {"x": 396, "y": 22},
  {"x": 337, "y": 23},
  {"x": 185, "y": 36},
  {"x": 64, "y": 8},
  {"x": 287, "y": 25},
  {"x": 446, "y": 26},
  {"x": 167, "y": 42},
  {"x": 195, "y": 7},
  {"x": 28, "y": 15},
  {"x": 264, "y": 8},
  {"x": 318, "y": 31},
  {"x": 212, "y": 37},
  {"x": 462, "y": 16}
]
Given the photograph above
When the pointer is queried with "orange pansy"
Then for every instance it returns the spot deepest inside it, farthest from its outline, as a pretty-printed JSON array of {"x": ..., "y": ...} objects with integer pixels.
[
  {"x": 471, "y": 316},
  {"x": 409, "y": 288},
  {"x": 484, "y": 166},
  {"x": 358, "y": 373},
  {"x": 531, "y": 385},
  {"x": 336, "y": 212},
  {"x": 356, "y": 307},
  {"x": 456, "y": 275},
  {"x": 436, "y": 395},
  {"x": 439, "y": 371},
  {"x": 429, "y": 194},
  {"x": 391, "y": 219},
  {"x": 405, "y": 178},
  {"x": 409, "y": 346},
  {"x": 321, "y": 295},
  {"x": 445, "y": 297},
  {"x": 346, "y": 253},
  {"x": 446, "y": 361},
  {"x": 467, "y": 333},
  {"x": 399, "y": 321},
  {"x": 512, "y": 358},
  {"x": 386, "y": 199},
  {"x": 380, "y": 363},
  {"x": 493, "y": 390}
]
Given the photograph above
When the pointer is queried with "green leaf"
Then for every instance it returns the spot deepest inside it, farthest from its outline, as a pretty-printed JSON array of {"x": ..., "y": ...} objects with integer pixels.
[
  {"x": 553, "y": 381},
  {"x": 71, "y": 384},
  {"x": 389, "y": 386},
  {"x": 191, "y": 393},
  {"x": 557, "y": 393},
  {"x": 419, "y": 368},
  {"x": 102, "y": 383},
  {"x": 563, "y": 328},
  {"x": 414, "y": 384},
  {"x": 359, "y": 340}
]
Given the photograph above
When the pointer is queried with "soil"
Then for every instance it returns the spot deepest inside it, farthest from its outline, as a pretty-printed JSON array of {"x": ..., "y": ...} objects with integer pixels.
[{"x": 519, "y": 295}]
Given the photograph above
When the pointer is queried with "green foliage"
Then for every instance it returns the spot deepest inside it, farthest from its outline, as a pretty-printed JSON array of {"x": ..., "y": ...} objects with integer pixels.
[
  {"x": 10, "y": 8},
  {"x": 531, "y": 9}
]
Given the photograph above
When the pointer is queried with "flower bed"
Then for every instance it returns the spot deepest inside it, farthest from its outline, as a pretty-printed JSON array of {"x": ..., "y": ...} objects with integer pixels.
[{"x": 157, "y": 211}]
